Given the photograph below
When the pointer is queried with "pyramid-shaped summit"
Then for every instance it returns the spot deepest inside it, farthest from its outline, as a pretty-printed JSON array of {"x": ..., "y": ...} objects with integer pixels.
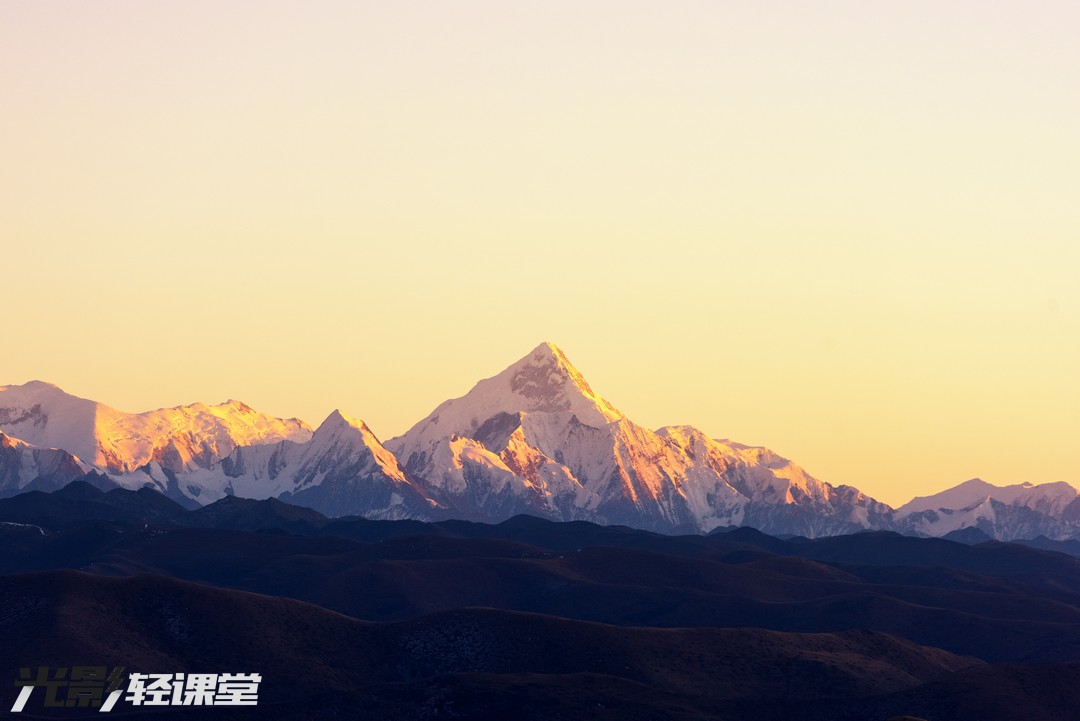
[
  {"x": 494, "y": 451},
  {"x": 536, "y": 438},
  {"x": 547, "y": 381},
  {"x": 544, "y": 381}
]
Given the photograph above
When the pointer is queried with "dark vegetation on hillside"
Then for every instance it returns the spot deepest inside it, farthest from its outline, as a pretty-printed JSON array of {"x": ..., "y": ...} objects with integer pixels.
[{"x": 530, "y": 619}]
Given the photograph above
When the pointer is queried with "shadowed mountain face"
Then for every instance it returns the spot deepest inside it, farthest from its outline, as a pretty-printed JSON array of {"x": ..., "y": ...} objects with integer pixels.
[{"x": 25, "y": 468}]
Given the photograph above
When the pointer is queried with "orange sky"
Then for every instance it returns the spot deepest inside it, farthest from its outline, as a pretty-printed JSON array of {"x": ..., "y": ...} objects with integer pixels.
[{"x": 845, "y": 230}]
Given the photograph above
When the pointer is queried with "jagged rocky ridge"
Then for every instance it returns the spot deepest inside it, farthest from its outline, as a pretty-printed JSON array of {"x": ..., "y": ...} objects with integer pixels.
[
  {"x": 534, "y": 439},
  {"x": 537, "y": 439}
]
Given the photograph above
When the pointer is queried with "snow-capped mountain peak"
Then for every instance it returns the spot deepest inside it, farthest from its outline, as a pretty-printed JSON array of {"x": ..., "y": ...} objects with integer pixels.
[
  {"x": 537, "y": 438},
  {"x": 179, "y": 438},
  {"x": 24, "y": 467},
  {"x": 44, "y": 416},
  {"x": 1022, "y": 510},
  {"x": 352, "y": 436},
  {"x": 337, "y": 423},
  {"x": 544, "y": 381},
  {"x": 1049, "y": 498},
  {"x": 551, "y": 383},
  {"x": 37, "y": 385}
]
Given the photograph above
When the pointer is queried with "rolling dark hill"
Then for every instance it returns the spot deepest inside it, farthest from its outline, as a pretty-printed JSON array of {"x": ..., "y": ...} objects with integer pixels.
[
  {"x": 544, "y": 589},
  {"x": 309, "y": 656},
  {"x": 996, "y": 618},
  {"x": 484, "y": 663}
]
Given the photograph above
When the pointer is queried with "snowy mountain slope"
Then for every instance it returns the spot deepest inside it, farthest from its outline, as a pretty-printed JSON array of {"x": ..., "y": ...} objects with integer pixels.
[
  {"x": 42, "y": 415},
  {"x": 343, "y": 469},
  {"x": 24, "y": 467},
  {"x": 1048, "y": 498},
  {"x": 783, "y": 497},
  {"x": 537, "y": 438},
  {"x": 179, "y": 439},
  {"x": 1006, "y": 513},
  {"x": 544, "y": 381}
]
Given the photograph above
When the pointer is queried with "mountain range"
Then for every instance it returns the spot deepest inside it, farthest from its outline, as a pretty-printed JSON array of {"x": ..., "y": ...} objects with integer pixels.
[{"x": 535, "y": 439}]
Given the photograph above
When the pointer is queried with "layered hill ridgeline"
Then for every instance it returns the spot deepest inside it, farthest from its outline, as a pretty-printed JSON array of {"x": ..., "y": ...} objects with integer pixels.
[{"x": 537, "y": 619}]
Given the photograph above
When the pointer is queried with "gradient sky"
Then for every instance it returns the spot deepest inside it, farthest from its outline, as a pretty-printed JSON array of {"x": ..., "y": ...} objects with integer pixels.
[{"x": 847, "y": 230}]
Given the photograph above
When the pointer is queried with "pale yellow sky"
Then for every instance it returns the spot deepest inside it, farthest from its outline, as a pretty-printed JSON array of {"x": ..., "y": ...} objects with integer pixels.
[{"x": 847, "y": 230}]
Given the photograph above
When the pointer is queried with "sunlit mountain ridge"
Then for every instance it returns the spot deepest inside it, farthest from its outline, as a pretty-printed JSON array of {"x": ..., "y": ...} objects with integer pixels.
[{"x": 535, "y": 438}]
